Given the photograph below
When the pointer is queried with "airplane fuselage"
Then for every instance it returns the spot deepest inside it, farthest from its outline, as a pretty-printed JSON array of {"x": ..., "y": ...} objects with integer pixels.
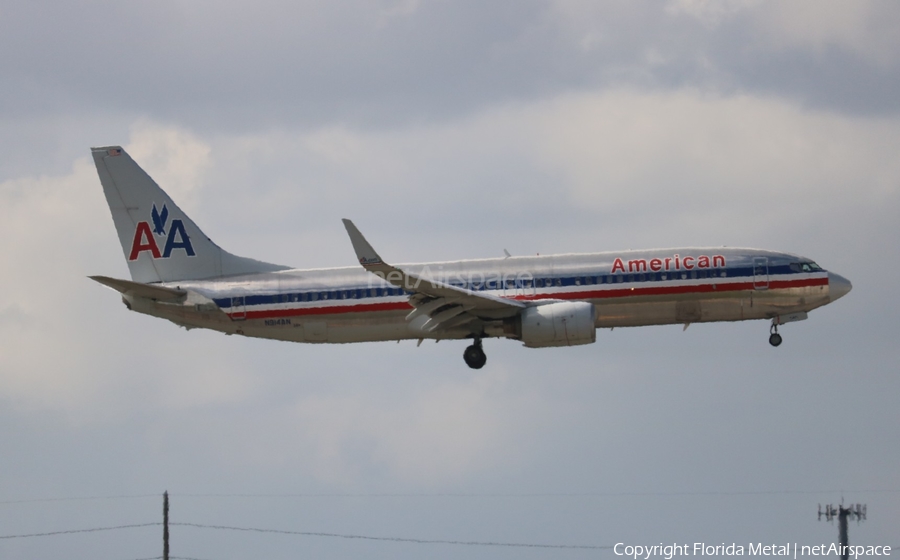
[{"x": 628, "y": 288}]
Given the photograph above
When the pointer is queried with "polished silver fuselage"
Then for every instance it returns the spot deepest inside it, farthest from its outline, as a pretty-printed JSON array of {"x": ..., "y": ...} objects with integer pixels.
[{"x": 627, "y": 288}]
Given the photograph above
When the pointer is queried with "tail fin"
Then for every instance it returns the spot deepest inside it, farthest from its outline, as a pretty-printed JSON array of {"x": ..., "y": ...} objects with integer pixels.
[{"x": 161, "y": 243}]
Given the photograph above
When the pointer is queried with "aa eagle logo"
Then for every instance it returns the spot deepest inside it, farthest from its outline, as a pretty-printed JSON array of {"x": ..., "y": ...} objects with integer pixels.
[{"x": 145, "y": 237}]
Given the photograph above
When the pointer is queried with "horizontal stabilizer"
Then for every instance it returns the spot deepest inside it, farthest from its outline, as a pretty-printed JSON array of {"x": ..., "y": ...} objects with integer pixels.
[{"x": 127, "y": 287}]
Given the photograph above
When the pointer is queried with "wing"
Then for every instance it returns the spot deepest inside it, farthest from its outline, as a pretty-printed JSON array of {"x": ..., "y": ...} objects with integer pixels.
[{"x": 438, "y": 305}]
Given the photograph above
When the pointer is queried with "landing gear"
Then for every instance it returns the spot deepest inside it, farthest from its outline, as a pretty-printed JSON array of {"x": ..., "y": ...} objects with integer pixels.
[
  {"x": 474, "y": 355},
  {"x": 774, "y": 337}
]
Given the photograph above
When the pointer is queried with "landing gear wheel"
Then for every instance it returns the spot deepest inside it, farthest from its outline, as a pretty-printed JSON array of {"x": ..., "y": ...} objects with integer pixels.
[
  {"x": 474, "y": 356},
  {"x": 774, "y": 337}
]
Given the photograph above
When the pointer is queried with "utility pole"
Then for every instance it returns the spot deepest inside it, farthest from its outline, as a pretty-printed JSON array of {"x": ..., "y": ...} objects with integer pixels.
[
  {"x": 166, "y": 525},
  {"x": 842, "y": 514}
]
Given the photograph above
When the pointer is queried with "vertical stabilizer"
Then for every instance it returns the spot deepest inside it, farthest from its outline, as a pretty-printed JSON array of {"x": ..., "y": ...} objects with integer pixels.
[{"x": 161, "y": 243}]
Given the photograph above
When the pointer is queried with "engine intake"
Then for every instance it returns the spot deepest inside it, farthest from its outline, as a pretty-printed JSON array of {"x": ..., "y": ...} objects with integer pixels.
[{"x": 566, "y": 323}]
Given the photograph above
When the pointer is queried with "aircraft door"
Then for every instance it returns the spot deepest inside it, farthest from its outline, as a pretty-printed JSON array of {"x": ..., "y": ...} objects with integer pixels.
[
  {"x": 238, "y": 309},
  {"x": 760, "y": 273}
]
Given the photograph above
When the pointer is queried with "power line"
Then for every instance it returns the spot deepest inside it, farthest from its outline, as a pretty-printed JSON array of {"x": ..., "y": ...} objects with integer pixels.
[
  {"x": 304, "y": 533},
  {"x": 78, "y": 499},
  {"x": 72, "y": 531},
  {"x": 391, "y": 539}
]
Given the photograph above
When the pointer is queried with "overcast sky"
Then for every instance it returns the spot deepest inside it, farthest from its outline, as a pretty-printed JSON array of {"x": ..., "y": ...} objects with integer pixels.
[{"x": 448, "y": 130}]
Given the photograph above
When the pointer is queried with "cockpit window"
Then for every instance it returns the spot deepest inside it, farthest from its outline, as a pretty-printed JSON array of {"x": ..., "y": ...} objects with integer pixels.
[{"x": 805, "y": 267}]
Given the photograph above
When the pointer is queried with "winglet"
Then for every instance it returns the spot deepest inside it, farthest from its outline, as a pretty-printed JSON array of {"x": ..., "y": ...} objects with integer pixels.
[{"x": 364, "y": 252}]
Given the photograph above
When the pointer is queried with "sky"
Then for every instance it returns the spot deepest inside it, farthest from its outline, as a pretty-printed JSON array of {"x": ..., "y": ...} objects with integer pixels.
[{"x": 448, "y": 130}]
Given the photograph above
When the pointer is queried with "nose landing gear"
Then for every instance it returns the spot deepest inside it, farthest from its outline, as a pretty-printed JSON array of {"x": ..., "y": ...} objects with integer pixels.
[
  {"x": 474, "y": 355},
  {"x": 774, "y": 337}
]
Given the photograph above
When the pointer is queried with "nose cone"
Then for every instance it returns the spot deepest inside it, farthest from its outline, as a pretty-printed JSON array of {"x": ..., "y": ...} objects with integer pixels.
[{"x": 838, "y": 286}]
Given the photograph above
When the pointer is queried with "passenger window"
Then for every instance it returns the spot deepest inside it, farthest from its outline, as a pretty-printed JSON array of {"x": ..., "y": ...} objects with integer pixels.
[
  {"x": 684, "y": 275},
  {"x": 723, "y": 274},
  {"x": 578, "y": 281},
  {"x": 314, "y": 296},
  {"x": 559, "y": 281},
  {"x": 694, "y": 274},
  {"x": 641, "y": 278},
  {"x": 663, "y": 275}
]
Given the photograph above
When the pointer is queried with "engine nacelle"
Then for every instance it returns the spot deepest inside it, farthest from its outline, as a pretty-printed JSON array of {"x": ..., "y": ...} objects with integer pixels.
[{"x": 566, "y": 323}]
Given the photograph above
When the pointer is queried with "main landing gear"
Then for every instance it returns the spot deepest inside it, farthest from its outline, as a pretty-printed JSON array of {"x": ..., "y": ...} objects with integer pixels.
[
  {"x": 474, "y": 355},
  {"x": 774, "y": 337}
]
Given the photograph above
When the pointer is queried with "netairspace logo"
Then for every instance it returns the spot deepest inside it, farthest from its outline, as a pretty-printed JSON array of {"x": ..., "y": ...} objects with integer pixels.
[{"x": 669, "y": 551}]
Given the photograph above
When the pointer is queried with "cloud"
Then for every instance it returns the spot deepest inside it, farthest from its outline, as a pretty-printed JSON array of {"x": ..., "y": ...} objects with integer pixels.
[
  {"x": 248, "y": 69},
  {"x": 443, "y": 432},
  {"x": 178, "y": 158},
  {"x": 690, "y": 150},
  {"x": 867, "y": 28},
  {"x": 699, "y": 163},
  {"x": 584, "y": 172},
  {"x": 55, "y": 231},
  {"x": 710, "y": 12}
]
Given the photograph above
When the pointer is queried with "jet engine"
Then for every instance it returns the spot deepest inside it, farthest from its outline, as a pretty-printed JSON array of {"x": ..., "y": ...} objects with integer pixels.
[{"x": 566, "y": 323}]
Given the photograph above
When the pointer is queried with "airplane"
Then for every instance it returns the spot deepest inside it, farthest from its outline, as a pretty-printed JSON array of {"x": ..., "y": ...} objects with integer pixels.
[{"x": 179, "y": 274}]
